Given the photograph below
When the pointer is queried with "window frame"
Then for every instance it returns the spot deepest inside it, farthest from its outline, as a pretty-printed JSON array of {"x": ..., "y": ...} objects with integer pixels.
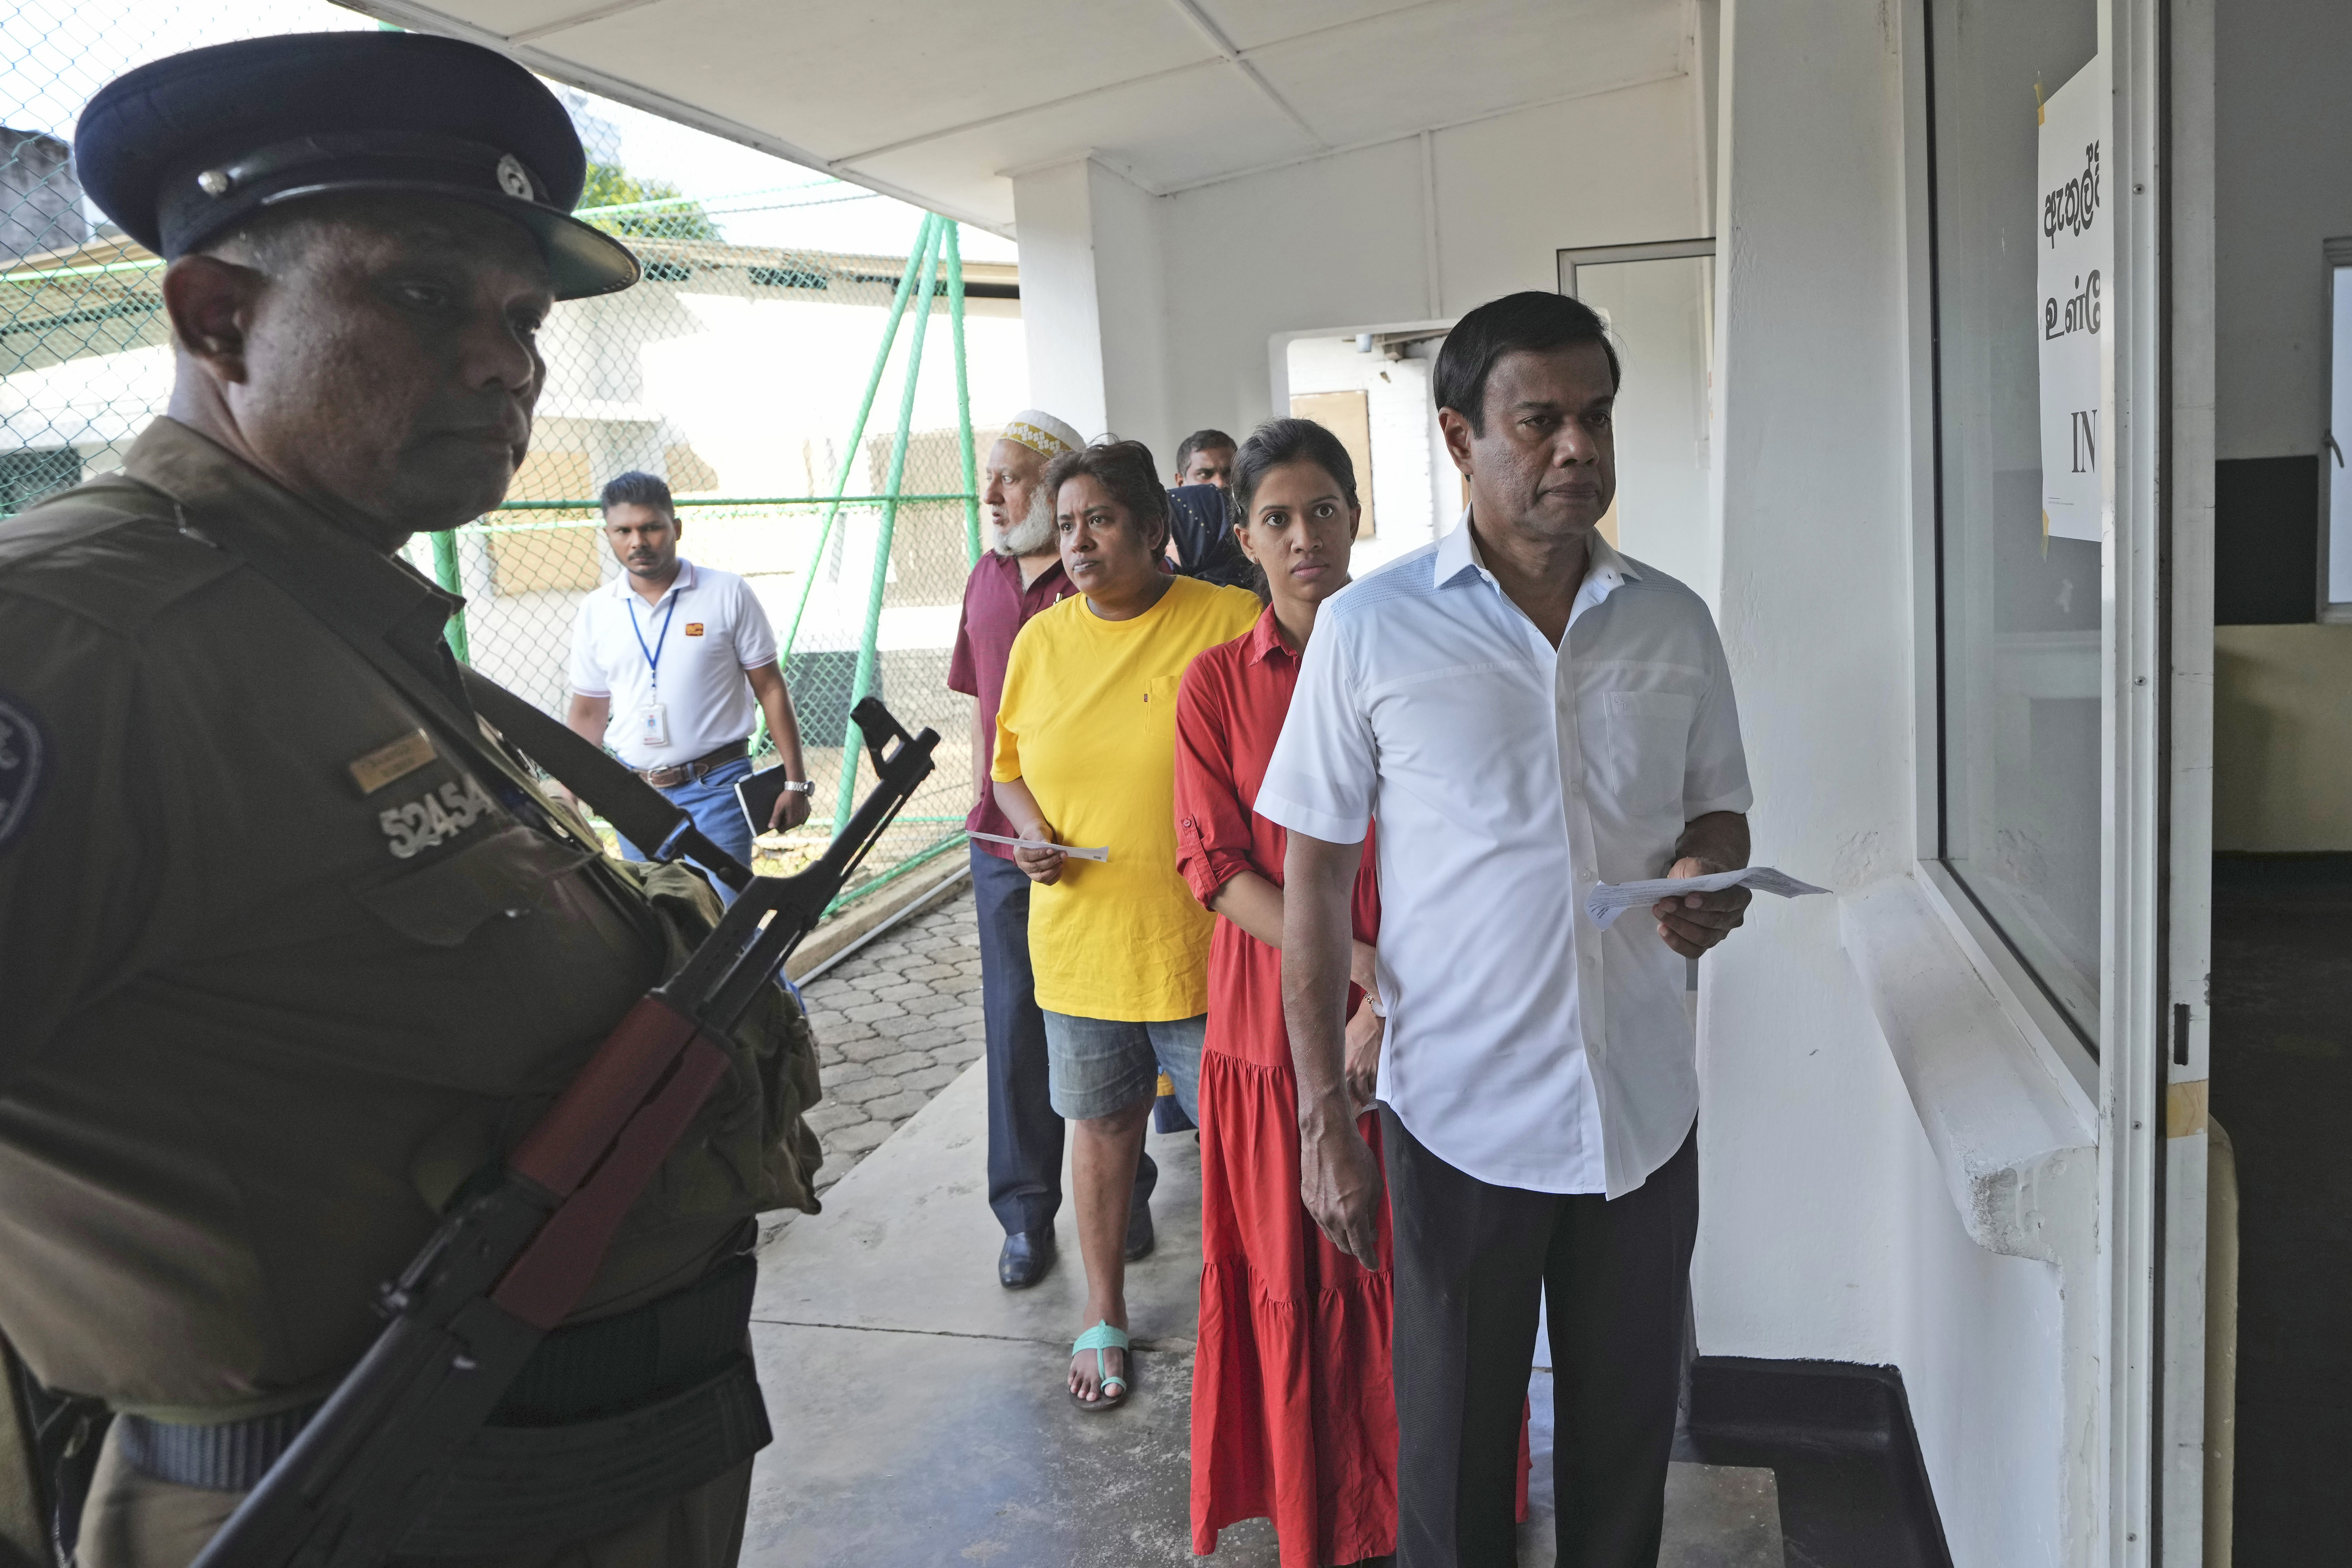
[
  {"x": 2333, "y": 253},
  {"x": 2134, "y": 1456},
  {"x": 1568, "y": 259},
  {"x": 2024, "y": 996}
]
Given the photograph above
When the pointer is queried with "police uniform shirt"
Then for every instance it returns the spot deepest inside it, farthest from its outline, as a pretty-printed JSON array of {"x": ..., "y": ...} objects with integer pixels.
[
  {"x": 277, "y": 972},
  {"x": 687, "y": 653}
]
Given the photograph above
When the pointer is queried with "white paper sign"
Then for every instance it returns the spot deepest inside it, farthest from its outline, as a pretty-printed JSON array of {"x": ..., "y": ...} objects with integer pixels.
[
  {"x": 1606, "y": 900},
  {"x": 2073, "y": 270}
]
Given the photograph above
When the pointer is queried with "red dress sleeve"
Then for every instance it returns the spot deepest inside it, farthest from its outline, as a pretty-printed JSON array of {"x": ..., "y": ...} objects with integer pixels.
[
  {"x": 1364, "y": 907},
  {"x": 1212, "y": 827}
]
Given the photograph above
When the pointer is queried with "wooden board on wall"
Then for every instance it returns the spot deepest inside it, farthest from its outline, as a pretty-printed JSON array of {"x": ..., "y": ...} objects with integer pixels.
[
  {"x": 1348, "y": 415},
  {"x": 539, "y": 557},
  {"x": 536, "y": 557}
]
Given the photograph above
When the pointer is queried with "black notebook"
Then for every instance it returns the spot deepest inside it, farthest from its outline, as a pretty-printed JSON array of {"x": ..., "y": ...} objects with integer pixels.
[{"x": 757, "y": 794}]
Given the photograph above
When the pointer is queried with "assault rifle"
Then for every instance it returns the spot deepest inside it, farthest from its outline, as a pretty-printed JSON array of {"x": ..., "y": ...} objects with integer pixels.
[{"x": 506, "y": 1266}]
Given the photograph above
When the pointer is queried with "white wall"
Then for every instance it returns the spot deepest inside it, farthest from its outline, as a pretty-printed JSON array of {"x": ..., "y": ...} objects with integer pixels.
[
  {"x": 2281, "y": 183},
  {"x": 1404, "y": 232},
  {"x": 1614, "y": 169},
  {"x": 1827, "y": 1230}
]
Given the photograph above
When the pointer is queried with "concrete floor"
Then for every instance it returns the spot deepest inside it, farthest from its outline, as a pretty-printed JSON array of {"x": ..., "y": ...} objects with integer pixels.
[
  {"x": 894, "y": 1022},
  {"x": 919, "y": 1411}
]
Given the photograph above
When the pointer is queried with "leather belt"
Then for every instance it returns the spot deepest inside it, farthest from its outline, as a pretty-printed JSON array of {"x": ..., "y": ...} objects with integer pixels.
[
  {"x": 607, "y": 1419},
  {"x": 696, "y": 770}
]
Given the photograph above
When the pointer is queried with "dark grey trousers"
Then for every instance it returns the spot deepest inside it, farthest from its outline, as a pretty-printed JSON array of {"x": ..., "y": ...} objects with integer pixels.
[{"x": 1474, "y": 1263}]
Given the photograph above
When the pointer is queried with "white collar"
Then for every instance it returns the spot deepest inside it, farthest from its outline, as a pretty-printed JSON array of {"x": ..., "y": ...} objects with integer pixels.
[{"x": 1606, "y": 570}]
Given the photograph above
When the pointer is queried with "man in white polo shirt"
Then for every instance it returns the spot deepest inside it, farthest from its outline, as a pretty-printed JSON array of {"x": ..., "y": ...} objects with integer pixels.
[
  {"x": 1526, "y": 712},
  {"x": 666, "y": 661}
]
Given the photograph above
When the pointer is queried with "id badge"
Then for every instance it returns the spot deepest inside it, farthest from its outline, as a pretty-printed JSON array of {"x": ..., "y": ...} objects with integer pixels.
[{"x": 652, "y": 725}]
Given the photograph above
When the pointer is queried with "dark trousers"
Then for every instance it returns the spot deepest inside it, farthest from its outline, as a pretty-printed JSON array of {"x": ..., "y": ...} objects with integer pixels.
[
  {"x": 1474, "y": 1263},
  {"x": 1024, "y": 1135}
]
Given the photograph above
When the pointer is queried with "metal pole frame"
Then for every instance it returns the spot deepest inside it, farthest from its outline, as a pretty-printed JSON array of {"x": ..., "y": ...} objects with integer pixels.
[
  {"x": 963, "y": 395},
  {"x": 856, "y": 435},
  {"x": 444, "y": 568},
  {"x": 851, "y": 751}
]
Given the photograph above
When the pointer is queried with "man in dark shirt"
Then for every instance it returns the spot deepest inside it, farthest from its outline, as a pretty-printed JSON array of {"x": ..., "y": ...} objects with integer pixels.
[
  {"x": 1205, "y": 458},
  {"x": 1020, "y": 574}
]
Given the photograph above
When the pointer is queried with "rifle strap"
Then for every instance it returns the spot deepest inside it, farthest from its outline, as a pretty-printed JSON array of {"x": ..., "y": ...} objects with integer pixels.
[{"x": 640, "y": 813}]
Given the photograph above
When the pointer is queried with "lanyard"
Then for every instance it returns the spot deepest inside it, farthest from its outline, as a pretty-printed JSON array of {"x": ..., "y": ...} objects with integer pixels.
[{"x": 653, "y": 654}]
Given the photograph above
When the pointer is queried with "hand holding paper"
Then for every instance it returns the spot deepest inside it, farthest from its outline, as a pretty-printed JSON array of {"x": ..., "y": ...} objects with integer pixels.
[
  {"x": 1606, "y": 900},
  {"x": 1069, "y": 849}
]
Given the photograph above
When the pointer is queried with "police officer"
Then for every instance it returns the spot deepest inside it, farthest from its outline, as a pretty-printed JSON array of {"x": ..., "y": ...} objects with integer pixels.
[{"x": 286, "y": 951}]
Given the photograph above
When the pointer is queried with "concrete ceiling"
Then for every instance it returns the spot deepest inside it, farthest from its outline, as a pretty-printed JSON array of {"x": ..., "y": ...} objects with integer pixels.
[{"x": 943, "y": 101}]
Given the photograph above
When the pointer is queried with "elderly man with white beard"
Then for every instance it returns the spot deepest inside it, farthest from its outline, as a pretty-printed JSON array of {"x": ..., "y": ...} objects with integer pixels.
[{"x": 1020, "y": 574}]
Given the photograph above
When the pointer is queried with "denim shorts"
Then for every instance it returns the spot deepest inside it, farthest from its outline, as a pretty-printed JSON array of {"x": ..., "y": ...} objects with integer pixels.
[{"x": 1095, "y": 1067}]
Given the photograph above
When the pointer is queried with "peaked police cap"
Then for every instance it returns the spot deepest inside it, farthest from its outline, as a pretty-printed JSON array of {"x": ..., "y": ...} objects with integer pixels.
[{"x": 180, "y": 151}]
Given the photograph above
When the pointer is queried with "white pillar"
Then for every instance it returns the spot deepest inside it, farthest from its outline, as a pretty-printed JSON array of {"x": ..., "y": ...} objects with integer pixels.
[
  {"x": 1094, "y": 301},
  {"x": 1060, "y": 319}
]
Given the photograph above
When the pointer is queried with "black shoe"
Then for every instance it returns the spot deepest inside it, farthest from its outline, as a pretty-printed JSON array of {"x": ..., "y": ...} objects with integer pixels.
[
  {"x": 1028, "y": 1254},
  {"x": 1140, "y": 1237}
]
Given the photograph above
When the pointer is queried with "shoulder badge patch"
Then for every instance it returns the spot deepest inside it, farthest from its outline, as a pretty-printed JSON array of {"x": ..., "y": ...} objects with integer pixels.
[{"x": 24, "y": 757}]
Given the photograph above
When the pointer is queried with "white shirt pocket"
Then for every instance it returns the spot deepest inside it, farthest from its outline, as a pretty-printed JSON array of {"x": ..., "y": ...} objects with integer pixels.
[{"x": 1648, "y": 746}]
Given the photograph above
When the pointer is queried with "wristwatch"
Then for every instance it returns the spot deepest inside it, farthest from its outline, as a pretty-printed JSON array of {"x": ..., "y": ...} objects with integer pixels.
[{"x": 799, "y": 786}]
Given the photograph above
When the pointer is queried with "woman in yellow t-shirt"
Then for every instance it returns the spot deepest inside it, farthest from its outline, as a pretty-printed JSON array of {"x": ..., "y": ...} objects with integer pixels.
[{"x": 1085, "y": 755}]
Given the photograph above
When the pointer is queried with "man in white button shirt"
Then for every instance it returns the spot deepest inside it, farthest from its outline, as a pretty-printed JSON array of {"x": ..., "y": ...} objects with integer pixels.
[
  {"x": 1526, "y": 712},
  {"x": 666, "y": 661}
]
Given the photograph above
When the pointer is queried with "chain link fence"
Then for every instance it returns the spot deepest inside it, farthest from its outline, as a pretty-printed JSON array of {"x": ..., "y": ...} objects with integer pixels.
[{"x": 809, "y": 407}]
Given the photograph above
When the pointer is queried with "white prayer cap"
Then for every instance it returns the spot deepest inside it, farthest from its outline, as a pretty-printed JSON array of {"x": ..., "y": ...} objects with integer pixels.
[{"x": 1042, "y": 433}]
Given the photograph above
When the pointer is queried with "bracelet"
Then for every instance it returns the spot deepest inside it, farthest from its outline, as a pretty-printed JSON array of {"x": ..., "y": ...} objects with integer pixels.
[{"x": 799, "y": 786}]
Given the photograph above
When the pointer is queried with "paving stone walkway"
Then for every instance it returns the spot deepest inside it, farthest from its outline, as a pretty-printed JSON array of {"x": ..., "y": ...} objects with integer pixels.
[{"x": 895, "y": 1022}]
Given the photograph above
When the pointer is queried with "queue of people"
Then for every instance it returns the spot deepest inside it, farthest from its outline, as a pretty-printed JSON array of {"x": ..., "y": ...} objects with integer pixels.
[{"x": 1431, "y": 1095}]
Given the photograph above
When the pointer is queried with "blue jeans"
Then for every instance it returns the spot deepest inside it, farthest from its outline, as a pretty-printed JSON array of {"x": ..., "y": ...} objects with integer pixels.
[{"x": 711, "y": 802}]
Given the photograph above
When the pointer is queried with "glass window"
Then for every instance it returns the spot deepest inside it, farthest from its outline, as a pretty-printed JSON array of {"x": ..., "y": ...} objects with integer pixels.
[{"x": 2019, "y": 733}]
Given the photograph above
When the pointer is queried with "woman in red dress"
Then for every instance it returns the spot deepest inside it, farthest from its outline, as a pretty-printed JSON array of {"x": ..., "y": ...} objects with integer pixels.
[{"x": 1293, "y": 1417}]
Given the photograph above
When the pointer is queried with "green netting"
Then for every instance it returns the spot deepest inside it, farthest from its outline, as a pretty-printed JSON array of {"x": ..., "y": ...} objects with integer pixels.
[{"x": 808, "y": 407}]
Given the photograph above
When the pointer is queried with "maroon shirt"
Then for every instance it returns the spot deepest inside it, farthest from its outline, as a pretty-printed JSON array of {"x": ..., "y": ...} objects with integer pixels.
[{"x": 995, "y": 608}]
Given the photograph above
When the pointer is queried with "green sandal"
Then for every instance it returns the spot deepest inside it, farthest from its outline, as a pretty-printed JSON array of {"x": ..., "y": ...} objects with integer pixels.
[{"x": 1100, "y": 1338}]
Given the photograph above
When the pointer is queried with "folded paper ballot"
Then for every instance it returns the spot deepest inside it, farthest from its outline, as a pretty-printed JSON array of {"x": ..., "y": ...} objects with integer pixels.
[
  {"x": 1070, "y": 850},
  {"x": 1607, "y": 900}
]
